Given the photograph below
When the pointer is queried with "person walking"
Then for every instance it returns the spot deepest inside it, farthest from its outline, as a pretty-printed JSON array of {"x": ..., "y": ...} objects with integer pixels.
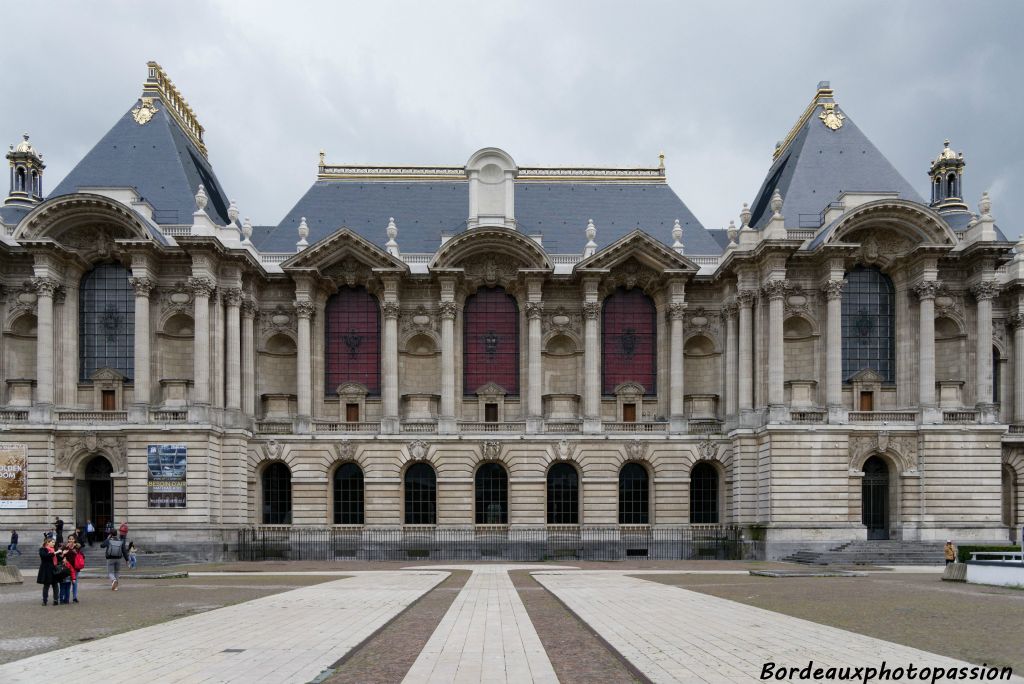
[
  {"x": 950, "y": 552},
  {"x": 116, "y": 551},
  {"x": 90, "y": 532},
  {"x": 77, "y": 560},
  {"x": 13, "y": 546},
  {"x": 47, "y": 568},
  {"x": 58, "y": 526}
]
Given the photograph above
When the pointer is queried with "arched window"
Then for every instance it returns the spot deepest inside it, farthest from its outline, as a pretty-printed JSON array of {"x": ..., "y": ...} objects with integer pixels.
[
  {"x": 633, "y": 495},
  {"x": 348, "y": 495},
  {"x": 490, "y": 342},
  {"x": 352, "y": 340},
  {"x": 703, "y": 494},
  {"x": 869, "y": 324},
  {"x": 106, "y": 322},
  {"x": 277, "y": 494},
  {"x": 19, "y": 180},
  {"x": 563, "y": 495},
  {"x": 951, "y": 187},
  {"x": 628, "y": 341},
  {"x": 491, "y": 495},
  {"x": 420, "y": 495}
]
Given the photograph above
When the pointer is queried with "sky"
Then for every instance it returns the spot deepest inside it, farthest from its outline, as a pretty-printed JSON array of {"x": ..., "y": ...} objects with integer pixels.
[{"x": 713, "y": 85}]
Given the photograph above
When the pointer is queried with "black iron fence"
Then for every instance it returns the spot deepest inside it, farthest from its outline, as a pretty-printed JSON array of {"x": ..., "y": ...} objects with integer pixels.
[{"x": 482, "y": 543}]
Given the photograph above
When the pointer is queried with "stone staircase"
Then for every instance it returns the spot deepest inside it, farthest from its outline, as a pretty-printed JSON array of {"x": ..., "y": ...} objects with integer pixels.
[{"x": 887, "y": 552}]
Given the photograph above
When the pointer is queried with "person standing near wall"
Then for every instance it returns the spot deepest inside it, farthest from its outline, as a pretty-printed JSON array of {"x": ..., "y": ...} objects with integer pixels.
[
  {"x": 950, "y": 552},
  {"x": 47, "y": 567}
]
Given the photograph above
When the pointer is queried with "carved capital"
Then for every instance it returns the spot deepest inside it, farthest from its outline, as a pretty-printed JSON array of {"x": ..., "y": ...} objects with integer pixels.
[
  {"x": 304, "y": 309},
  {"x": 447, "y": 311},
  {"x": 591, "y": 310},
  {"x": 201, "y": 287},
  {"x": 775, "y": 289},
  {"x": 534, "y": 310},
  {"x": 45, "y": 287},
  {"x": 729, "y": 312},
  {"x": 985, "y": 290},
  {"x": 232, "y": 296},
  {"x": 833, "y": 289},
  {"x": 143, "y": 286},
  {"x": 927, "y": 289},
  {"x": 745, "y": 298},
  {"x": 390, "y": 310},
  {"x": 249, "y": 308},
  {"x": 676, "y": 311}
]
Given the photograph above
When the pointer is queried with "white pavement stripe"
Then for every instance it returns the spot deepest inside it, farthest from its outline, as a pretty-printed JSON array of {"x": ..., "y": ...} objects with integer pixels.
[
  {"x": 287, "y": 637},
  {"x": 486, "y": 636},
  {"x": 674, "y": 635}
]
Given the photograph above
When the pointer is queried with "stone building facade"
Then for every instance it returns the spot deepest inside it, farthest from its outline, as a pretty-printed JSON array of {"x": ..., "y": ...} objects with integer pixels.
[{"x": 493, "y": 346}]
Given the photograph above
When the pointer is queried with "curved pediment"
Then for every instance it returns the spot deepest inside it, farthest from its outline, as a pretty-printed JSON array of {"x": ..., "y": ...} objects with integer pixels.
[
  {"x": 899, "y": 221},
  {"x": 85, "y": 222},
  {"x": 499, "y": 244}
]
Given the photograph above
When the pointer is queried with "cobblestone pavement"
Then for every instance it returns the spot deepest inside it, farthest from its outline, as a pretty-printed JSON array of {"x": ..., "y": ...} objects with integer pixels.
[
  {"x": 966, "y": 621},
  {"x": 674, "y": 635},
  {"x": 310, "y": 628}
]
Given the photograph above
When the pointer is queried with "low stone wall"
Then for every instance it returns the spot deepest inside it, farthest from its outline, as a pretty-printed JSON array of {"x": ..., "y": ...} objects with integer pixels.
[{"x": 10, "y": 575}]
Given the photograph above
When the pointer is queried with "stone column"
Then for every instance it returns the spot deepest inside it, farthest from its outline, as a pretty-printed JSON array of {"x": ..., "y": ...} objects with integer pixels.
[
  {"x": 745, "y": 395},
  {"x": 389, "y": 369},
  {"x": 304, "y": 313},
  {"x": 731, "y": 359},
  {"x": 248, "y": 358},
  {"x": 535, "y": 376},
  {"x": 45, "y": 290},
  {"x": 833, "y": 290},
  {"x": 143, "y": 389},
  {"x": 446, "y": 422},
  {"x": 1017, "y": 321},
  {"x": 984, "y": 293},
  {"x": 233, "y": 350},
  {"x": 925, "y": 291},
  {"x": 677, "y": 414},
  {"x": 775, "y": 291},
  {"x": 202, "y": 288},
  {"x": 592, "y": 367}
]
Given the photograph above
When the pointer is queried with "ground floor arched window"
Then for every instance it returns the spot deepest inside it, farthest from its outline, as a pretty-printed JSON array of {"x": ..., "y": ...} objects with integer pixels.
[
  {"x": 633, "y": 495},
  {"x": 348, "y": 495},
  {"x": 491, "y": 495},
  {"x": 277, "y": 495},
  {"x": 563, "y": 495},
  {"x": 420, "y": 495},
  {"x": 704, "y": 494}
]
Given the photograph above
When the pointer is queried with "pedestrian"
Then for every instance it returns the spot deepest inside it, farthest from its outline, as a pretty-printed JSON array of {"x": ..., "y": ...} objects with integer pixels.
[
  {"x": 77, "y": 558},
  {"x": 50, "y": 534},
  {"x": 47, "y": 570},
  {"x": 116, "y": 550},
  {"x": 66, "y": 572},
  {"x": 950, "y": 552},
  {"x": 132, "y": 560},
  {"x": 58, "y": 525},
  {"x": 108, "y": 529},
  {"x": 13, "y": 546},
  {"x": 90, "y": 532}
]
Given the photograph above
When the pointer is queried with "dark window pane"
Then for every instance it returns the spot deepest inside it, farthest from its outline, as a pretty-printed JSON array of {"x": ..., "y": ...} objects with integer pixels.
[
  {"x": 563, "y": 495},
  {"x": 869, "y": 324},
  {"x": 628, "y": 341},
  {"x": 490, "y": 342},
  {"x": 420, "y": 495},
  {"x": 703, "y": 494},
  {"x": 348, "y": 495},
  {"x": 106, "y": 322},
  {"x": 633, "y": 495},
  {"x": 352, "y": 340},
  {"x": 277, "y": 495},
  {"x": 491, "y": 495}
]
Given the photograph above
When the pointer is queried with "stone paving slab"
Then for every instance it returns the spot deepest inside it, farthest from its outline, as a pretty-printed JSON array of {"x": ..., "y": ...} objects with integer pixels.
[
  {"x": 310, "y": 629},
  {"x": 674, "y": 635}
]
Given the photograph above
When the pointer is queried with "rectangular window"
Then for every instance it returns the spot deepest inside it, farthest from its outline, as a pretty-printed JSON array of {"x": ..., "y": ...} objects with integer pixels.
[
  {"x": 108, "y": 400},
  {"x": 490, "y": 413},
  {"x": 352, "y": 413}
]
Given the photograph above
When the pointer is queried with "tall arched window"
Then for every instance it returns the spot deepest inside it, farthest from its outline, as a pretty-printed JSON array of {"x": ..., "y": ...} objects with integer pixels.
[
  {"x": 703, "y": 494},
  {"x": 628, "y": 341},
  {"x": 348, "y": 495},
  {"x": 490, "y": 342},
  {"x": 491, "y": 495},
  {"x": 352, "y": 340},
  {"x": 563, "y": 495},
  {"x": 420, "y": 495},
  {"x": 106, "y": 322},
  {"x": 869, "y": 324},
  {"x": 633, "y": 495},
  {"x": 277, "y": 494}
]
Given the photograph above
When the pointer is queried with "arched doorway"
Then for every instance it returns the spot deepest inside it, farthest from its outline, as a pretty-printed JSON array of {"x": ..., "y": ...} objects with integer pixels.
[
  {"x": 875, "y": 498},
  {"x": 94, "y": 494}
]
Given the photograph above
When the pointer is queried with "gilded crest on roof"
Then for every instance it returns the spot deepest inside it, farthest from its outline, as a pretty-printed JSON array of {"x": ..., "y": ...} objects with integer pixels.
[
  {"x": 831, "y": 117},
  {"x": 144, "y": 112}
]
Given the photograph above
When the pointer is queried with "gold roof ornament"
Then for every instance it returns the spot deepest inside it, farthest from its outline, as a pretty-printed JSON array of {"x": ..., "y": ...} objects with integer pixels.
[
  {"x": 947, "y": 152},
  {"x": 830, "y": 116},
  {"x": 25, "y": 147},
  {"x": 159, "y": 86},
  {"x": 144, "y": 111}
]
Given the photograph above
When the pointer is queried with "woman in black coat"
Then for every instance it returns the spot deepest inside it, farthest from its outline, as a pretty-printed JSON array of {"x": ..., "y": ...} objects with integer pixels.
[{"x": 47, "y": 567}]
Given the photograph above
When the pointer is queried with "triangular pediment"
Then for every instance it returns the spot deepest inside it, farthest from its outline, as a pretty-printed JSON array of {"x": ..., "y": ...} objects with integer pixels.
[
  {"x": 106, "y": 374},
  {"x": 642, "y": 247},
  {"x": 867, "y": 375},
  {"x": 491, "y": 389},
  {"x": 339, "y": 247}
]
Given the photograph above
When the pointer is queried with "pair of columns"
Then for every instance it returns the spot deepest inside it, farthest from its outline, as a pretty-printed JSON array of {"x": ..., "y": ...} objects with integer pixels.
[{"x": 774, "y": 291}]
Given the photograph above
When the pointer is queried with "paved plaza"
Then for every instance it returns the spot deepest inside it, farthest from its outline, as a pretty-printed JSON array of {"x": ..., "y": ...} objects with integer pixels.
[{"x": 643, "y": 624}]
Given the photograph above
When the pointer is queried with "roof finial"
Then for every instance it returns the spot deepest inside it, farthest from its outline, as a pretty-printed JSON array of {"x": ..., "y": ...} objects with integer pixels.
[
  {"x": 776, "y": 204},
  {"x": 985, "y": 205},
  {"x": 247, "y": 231},
  {"x": 232, "y": 212},
  {"x": 731, "y": 232},
  {"x": 661, "y": 161},
  {"x": 392, "y": 245},
  {"x": 591, "y": 246},
  {"x": 201, "y": 199},
  {"x": 322, "y": 157},
  {"x": 303, "y": 234},
  {"x": 744, "y": 216},
  {"x": 677, "y": 236}
]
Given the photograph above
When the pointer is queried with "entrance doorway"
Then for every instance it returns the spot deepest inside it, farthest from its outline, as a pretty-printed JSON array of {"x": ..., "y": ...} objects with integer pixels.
[
  {"x": 94, "y": 492},
  {"x": 875, "y": 498}
]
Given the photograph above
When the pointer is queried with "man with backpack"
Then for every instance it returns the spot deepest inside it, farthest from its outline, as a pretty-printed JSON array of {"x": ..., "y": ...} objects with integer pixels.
[{"x": 116, "y": 551}]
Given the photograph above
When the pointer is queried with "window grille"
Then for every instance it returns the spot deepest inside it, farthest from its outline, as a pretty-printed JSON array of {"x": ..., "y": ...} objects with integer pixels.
[
  {"x": 348, "y": 495},
  {"x": 106, "y": 322},
  {"x": 869, "y": 324},
  {"x": 352, "y": 340},
  {"x": 277, "y": 495},
  {"x": 490, "y": 342},
  {"x": 633, "y": 495},
  {"x": 703, "y": 494},
  {"x": 420, "y": 495},
  {"x": 563, "y": 495},
  {"x": 491, "y": 495},
  {"x": 628, "y": 341}
]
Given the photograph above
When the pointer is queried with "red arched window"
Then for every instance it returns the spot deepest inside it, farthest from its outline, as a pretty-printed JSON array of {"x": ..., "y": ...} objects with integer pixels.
[
  {"x": 352, "y": 340},
  {"x": 628, "y": 341},
  {"x": 490, "y": 341}
]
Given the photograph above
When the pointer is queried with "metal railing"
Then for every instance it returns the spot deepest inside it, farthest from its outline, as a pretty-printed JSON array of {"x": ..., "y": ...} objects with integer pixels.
[
  {"x": 883, "y": 416},
  {"x": 496, "y": 542}
]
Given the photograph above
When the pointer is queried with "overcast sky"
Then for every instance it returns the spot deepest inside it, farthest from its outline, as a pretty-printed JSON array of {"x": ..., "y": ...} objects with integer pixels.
[{"x": 713, "y": 85}]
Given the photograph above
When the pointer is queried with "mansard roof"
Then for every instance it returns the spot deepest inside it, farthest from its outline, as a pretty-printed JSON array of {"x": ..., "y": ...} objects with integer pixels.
[
  {"x": 824, "y": 155},
  {"x": 156, "y": 148}
]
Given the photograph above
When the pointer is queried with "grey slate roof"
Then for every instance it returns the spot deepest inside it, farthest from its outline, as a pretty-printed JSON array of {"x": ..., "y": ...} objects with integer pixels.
[
  {"x": 158, "y": 160},
  {"x": 12, "y": 214},
  {"x": 423, "y": 210},
  {"x": 818, "y": 166}
]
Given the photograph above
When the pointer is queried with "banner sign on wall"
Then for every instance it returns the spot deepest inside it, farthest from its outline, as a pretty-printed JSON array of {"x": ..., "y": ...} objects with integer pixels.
[
  {"x": 167, "y": 465},
  {"x": 13, "y": 476}
]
